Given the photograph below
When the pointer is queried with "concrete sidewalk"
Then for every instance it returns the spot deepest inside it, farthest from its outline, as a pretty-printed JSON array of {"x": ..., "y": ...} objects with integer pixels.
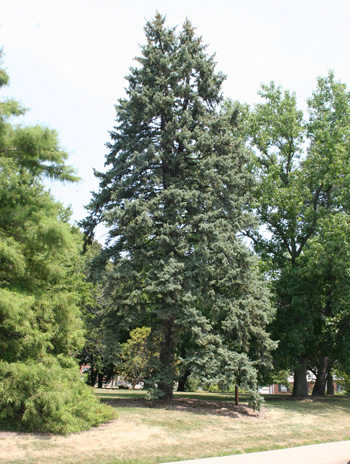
[{"x": 326, "y": 453}]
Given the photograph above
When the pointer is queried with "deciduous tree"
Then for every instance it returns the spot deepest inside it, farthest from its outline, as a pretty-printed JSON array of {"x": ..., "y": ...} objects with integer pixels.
[{"x": 302, "y": 201}]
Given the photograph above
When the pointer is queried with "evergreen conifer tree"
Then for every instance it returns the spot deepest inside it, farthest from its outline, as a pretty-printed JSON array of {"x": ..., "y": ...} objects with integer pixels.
[
  {"x": 174, "y": 198},
  {"x": 42, "y": 287}
]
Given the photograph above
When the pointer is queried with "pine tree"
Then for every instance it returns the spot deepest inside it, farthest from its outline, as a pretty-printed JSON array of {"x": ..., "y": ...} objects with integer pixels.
[
  {"x": 41, "y": 287},
  {"x": 174, "y": 198}
]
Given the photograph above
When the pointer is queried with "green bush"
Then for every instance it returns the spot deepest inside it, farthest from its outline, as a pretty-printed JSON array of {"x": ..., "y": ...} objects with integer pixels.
[
  {"x": 48, "y": 396},
  {"x": 192, "y": 384},
  {"x": 343, "y": 379},
  {"x": 213, "y": 389}
]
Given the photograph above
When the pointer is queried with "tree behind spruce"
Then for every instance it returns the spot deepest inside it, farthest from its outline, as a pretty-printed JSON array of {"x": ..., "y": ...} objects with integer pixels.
[
  {"x": 302, "y": 201},
  {"x": 174, "y": 199}
]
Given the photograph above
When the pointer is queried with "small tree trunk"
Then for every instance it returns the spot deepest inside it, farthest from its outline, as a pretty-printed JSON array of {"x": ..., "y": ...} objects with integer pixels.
[
  {"x": 320, "y": 384},
  {"x": 300, "y": 387},
  {"x": 236, "y": 395},
  {"x": 182, "y": 383},
  {"x": 92, "y": 376},
  {"x": 182, "y": 380},
  {"x": 99, "y": 380},
  {"x": 167, "y": 361},
  {"x": 330, "y": 384}
]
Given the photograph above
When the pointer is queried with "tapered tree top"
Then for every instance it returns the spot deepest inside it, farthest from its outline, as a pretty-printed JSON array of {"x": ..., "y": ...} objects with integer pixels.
[{"x": 171, "y": 98}]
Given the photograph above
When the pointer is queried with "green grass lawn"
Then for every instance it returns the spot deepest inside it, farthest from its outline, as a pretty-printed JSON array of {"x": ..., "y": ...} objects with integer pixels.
[{"x": 148, "y": 436}]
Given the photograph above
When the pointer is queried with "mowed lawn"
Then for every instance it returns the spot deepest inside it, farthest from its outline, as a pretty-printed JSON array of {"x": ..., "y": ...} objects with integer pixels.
[{"x": 147, "y": 435}]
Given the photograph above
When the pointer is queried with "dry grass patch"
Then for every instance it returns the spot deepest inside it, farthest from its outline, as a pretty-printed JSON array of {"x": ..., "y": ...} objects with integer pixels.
[{"x": 184, "y": 429}]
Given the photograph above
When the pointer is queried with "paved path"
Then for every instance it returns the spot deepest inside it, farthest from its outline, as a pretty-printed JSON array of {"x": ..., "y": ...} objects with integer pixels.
[{"x": 326, "y": 453}]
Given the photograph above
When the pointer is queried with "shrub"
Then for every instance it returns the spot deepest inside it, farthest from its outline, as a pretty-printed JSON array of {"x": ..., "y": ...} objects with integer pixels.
[
  {"x": 48, "y": 396},
  {"x": 213, "y": 389},
  {"x": 255, "y": 400},
  {"x": 192, "y": 384}
]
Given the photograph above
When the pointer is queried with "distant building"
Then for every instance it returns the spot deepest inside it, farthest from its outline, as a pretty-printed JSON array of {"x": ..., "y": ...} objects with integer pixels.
[{"x": 280, "y": 388}]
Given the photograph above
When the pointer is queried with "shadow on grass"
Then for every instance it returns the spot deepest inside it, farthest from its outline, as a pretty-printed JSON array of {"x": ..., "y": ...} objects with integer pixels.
[
  {"x": 316, "y": 405},
  {"x": 222, "y": 404},
  {"x": 117, "y": 394}
]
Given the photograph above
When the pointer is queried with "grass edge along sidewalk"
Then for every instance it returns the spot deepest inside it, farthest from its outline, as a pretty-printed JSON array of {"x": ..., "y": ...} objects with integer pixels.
[{"x": 326, "y": 453}]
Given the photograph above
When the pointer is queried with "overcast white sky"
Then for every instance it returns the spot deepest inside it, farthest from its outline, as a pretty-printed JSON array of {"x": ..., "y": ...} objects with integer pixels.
[{"x": 67, "y": 59}]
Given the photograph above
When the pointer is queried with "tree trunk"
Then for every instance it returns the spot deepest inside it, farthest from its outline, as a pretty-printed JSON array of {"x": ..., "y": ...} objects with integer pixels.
[
  {"x": 300, "y": 387},
  {"x": 182, "y": 383},
  {"x": 99, "y": 380},
  {"x": 236, "y": 395},
  {"x": 330, "y": 384},
  {"x": 92, "y": 376},
  {"x": 167, "y": 372},
  {"x": 183, "y": 379},
  {"x": 320, "y": 384}
]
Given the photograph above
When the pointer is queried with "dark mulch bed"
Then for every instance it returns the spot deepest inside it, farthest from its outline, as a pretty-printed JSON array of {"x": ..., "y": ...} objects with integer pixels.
[{"x": 197, "y": 406}]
